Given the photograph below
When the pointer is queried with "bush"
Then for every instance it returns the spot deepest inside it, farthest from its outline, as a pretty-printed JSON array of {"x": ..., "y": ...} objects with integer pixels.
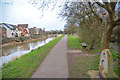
[
  {"x": 7, "y": 40},
  {"x": 23, "y": 38},
  {"x": 16, "y": 35},
  {"x": 17, "y": 39},
  {"x": 115, "y": 35},
  {"x": 34, "y": 36},
  {"x": 12, "y": 39}
]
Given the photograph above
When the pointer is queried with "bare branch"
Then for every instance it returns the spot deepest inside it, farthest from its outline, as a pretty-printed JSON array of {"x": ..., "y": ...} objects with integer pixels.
[
  {"x": 112, "y": 5},
  {"x": 97, "y": 16},
  {"x": 85, "y": 14},
  {"x": 116, "y": 22},
  {"x": 110, "y": 12},
  {"x": 101, "y": 5}
]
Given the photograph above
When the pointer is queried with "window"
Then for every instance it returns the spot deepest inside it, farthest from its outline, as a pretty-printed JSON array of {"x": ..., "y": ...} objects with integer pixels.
[{"x": 4, "y": 30}]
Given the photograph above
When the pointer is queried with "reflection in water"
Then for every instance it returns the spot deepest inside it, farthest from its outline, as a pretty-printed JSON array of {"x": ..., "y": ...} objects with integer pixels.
[{"x": 20, "y": 50}]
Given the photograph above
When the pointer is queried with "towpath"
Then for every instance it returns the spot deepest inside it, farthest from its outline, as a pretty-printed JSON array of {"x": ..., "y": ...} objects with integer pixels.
[{"x": 55, "y": 63}]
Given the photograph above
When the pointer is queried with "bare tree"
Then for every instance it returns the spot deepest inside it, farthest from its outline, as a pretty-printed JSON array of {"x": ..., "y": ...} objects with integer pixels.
[{"x": 108, "y": 17}]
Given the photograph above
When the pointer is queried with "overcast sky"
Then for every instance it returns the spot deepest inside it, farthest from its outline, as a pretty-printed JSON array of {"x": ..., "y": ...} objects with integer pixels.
[{"x": 21, "y": 12}]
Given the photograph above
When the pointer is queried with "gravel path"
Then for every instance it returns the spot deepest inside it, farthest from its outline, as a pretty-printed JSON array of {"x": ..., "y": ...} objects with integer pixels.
[{"x": 55, "y": 63}]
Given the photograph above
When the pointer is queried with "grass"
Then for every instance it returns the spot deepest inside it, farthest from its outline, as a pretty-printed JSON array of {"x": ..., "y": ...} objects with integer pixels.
[
  {"x": 96, "y": 48},
  {"x": 24, "y": 66},
  {"x": 95, "y": 63},
  {"x": 82, "y": 64},
  {"x": 115, "y": 56},
  {"x": 73, "y": 42},
  {"x": 116, "y": 61},
  {"x": 94, "y": 51}
]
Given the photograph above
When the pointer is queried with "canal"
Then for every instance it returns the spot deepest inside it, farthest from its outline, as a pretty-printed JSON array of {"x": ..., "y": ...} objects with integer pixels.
[{"x": 11, "y": 53}]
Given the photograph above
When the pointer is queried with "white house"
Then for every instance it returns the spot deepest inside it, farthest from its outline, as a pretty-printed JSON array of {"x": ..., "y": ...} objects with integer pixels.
[
  {"x": 10, "y": 30},
  {"x": 18, "y": 31}
]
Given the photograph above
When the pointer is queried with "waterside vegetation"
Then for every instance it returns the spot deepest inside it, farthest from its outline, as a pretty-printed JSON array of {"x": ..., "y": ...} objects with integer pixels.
[{"x": 24, "y": 66}]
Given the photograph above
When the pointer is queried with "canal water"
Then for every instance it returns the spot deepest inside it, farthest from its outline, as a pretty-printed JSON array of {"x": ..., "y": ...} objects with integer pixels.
[{"x": 19, "y": 50}]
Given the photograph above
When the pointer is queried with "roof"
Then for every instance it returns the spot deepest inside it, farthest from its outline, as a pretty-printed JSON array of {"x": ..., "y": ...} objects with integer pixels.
[
  {"x": 9, "y": 26},
  {"x": 13, "y": 25},
  {"x": 23, "y": 25}
]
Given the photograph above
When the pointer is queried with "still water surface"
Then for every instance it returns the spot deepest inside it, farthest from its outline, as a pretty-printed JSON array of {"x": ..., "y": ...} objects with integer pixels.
[{"x": 19, "y": 50}]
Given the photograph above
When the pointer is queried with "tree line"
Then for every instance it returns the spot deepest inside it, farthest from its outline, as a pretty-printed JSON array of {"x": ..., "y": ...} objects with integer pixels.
[{"x": 93, "y": 21}]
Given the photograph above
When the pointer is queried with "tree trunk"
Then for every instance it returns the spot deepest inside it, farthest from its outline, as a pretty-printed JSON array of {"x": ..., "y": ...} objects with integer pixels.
[
  {"x": 106, "y": 38},
  {"x": 104, "y": 42},
  {"x": 92, "y": 45}
]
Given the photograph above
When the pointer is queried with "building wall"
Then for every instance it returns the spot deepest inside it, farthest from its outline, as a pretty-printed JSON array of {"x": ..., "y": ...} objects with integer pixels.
[
  {"x": 28, "y": 32},
  {"x": 0, "y": 31},
  {"x": 23, "y": 32},
  {"x": 4, "y": 31},
  {"x": 9, "y": 31},
  {"x": 0, "y": 25},
  {"x": 35, "y": 30},
  {"x": 18, "y": 32},
  {"x": 24, "y": 28}
]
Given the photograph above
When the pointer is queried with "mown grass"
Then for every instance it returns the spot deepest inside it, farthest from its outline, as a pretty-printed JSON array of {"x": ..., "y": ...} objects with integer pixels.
[
  {"x": 94, "y": 51},
  {"x": 116, "y": 61},
  {"x": 82, "y": 64},
  {"x": 24, "y": 66},
  {"x": 73, "y": 42}
]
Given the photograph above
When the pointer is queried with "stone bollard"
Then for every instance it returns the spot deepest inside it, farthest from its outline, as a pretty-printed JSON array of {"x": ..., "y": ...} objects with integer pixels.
[
  {"x": 84, "y": 45},
  {"x": 106, "y": 69}
]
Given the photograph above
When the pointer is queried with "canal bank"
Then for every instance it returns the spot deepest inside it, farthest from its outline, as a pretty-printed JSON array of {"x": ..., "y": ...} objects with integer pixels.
[
  {"x": 26, "y": 45},
  {"x": 32, "y": 39},
  {"x": 18, "y": 51},
  {"x": 24, "y": 66},
  {"x": 15, "y": 46},
  {"x": 14, "y": 43}
]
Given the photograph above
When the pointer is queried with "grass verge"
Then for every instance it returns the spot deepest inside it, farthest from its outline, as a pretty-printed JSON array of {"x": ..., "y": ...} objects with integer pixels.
[
  {"x": 24, "y": 66},
  {"x": 73, "y": 42},
  {"x": 116, "y": 60},
  {"x": 82, "y": 64}
]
